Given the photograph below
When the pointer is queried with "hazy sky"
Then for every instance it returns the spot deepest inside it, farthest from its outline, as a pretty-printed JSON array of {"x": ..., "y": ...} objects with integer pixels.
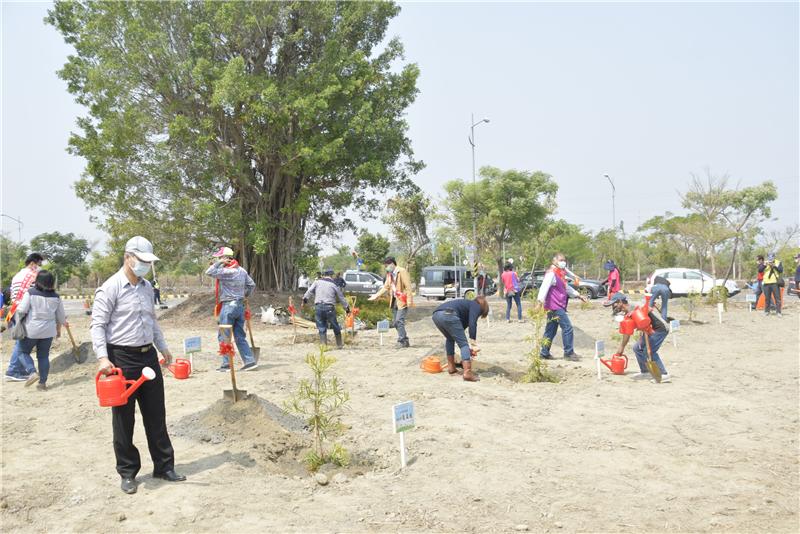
[{"x": 648, "y": 93}]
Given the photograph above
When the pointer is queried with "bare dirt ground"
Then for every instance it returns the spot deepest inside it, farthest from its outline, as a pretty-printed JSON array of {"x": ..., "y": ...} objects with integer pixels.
[{"x": 715, "y": 450}]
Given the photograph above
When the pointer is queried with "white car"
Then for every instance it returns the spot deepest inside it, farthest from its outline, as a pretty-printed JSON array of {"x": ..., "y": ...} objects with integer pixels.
[{"x": 684, "y": 281}]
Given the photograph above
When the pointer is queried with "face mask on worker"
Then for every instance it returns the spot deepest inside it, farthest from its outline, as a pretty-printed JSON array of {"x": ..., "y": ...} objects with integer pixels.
[
  {"x": 562, "y": 264},
  {"x": 390, "y": 268},
  {"x": 618, "y": 317},
  {"x": 140, "y": 268}
]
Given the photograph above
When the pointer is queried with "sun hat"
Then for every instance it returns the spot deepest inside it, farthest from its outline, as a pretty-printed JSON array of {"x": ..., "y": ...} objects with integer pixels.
[
  {"x": 618, "y": 297},
  {"x": 223, "y": 252}
]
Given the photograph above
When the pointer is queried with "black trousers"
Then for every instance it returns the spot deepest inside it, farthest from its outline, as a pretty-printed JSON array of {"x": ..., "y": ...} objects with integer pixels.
[{"x": 150, "y": 397}]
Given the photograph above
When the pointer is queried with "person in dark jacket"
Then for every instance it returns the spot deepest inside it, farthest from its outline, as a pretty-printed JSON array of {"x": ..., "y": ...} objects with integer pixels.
[
  {"x": 452, "y": 318},
  {"x": 339, "y": 281},
  {"x": 660, "y": 290}
]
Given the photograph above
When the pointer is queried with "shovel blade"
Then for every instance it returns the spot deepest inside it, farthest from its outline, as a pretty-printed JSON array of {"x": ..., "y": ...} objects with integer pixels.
[
  {"x": 227, "y": 394},
  {"x": 256, "y": 352},
  {"x": 655, "y": 372}
]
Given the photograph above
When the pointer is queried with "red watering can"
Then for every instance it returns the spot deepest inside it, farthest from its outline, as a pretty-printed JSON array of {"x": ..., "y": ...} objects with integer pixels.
[
  {"x": 627, "y": 326},
  {"x": 641, "y": 318},
  {"x": 619, "y": 362},
  {"x": 111, "y": 389},
  {"x": 181, "y": 369}
]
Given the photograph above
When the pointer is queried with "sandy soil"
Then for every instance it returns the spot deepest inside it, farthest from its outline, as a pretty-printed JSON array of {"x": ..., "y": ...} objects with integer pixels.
[{"x": 716, "y": 450}]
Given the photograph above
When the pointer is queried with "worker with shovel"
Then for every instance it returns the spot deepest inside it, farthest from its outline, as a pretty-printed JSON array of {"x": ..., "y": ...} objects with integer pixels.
[
  {"x": 326, "y": 293},
  {"x": 233, "y": 285},
  {"x": 619, "y": 307}
]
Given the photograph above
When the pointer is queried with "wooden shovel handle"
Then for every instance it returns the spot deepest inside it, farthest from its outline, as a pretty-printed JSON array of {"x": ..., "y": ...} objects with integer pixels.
[
  {"x": 71, "y": 339},
  {"x": 249, "y": 328}
]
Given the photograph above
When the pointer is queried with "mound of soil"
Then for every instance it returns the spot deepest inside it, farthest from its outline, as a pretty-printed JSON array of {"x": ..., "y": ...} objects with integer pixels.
[
  {"x": 66, "y": 359},
  {"x": 252, "y": 426},
  {"x": 199, "y": 308}
]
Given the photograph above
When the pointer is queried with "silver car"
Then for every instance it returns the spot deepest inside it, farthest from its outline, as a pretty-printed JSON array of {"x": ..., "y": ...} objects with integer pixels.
[{"x": 361, "y": 282}]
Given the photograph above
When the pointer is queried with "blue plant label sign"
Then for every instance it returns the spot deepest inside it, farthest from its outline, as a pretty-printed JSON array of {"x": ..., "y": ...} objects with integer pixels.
[
  {"x": 403, "y": 416},
  {"x": 192, "y": 344}
]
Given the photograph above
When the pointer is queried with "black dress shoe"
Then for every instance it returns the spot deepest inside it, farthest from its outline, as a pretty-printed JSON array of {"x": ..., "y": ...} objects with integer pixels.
[
  {"x": 170, "y": 476},
  {"x": 128, "y": 485}
]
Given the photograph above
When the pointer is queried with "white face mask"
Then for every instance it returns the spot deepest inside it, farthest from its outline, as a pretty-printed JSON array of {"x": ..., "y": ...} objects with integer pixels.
[
  {"x": 619, "y": 317},
  {"x": 140, "y": 268},
  {"x": 562, "y": 264}
]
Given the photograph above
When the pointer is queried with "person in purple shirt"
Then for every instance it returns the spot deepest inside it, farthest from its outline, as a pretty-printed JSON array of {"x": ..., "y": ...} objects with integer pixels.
[{"x": 554, "y": 295}]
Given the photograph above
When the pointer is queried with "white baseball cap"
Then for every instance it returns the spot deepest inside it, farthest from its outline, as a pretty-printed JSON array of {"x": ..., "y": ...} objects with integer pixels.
[{"x": 141, "y": 248}]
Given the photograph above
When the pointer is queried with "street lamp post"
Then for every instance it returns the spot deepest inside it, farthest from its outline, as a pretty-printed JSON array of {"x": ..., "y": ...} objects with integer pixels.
[
  {"x": 19, "y": 225},
  {"x": 473, "y": 124},
  {"x": 613, "y": 206}
]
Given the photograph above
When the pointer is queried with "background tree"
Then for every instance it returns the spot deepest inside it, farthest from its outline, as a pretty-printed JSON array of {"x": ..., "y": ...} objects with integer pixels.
[
  {"x": 64, "y": 253},
  {"x": 249, "y": 123},
  {"x": 12, "y": 259},
  {"x": 747, "y": 207},
  {"x": 509, "y": 206},
  {"x": 373, "y": 249},
  {"x": 408, "y": 217},
  {"x": 707, "y": 201}
]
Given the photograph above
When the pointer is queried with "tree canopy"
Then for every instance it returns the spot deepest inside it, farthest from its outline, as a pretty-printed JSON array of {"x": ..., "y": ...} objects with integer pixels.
[
  {"x": 254, "y": 124},
  {"x": 65, "y": 253}
]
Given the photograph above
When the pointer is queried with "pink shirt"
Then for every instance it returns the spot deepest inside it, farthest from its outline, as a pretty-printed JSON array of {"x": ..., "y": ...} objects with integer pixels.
[
  {"x": 613, "y": 281},
  {"x": 508, "y": 278}
]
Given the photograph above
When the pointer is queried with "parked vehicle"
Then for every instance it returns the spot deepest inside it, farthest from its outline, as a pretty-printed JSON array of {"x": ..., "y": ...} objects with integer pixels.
[
  {"x": 586, "y": 286},
  {"x": 684, "y": 281},
  {"x": 448, "y": 281},
  {"x": 361, "y": 282}
]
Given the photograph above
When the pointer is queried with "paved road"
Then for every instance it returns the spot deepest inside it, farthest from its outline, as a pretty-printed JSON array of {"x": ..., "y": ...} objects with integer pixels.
[{"x": 75, "y": 308}]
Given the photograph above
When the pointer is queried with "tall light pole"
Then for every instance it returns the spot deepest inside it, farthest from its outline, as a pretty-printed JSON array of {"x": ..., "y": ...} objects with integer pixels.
[
  {"x": 613, "y": 206},
  {"x": 19, "y": 225},
  {"x": 473, "y": 124}
]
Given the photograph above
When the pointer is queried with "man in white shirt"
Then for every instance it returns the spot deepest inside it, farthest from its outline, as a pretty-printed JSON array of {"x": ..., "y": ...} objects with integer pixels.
[{"x": 125, "y": 334}]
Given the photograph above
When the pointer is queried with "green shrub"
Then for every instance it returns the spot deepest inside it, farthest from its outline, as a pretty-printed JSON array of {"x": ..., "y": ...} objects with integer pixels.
[
  {"x": 537, "y": 367},
  {"x": 718, "y": 294},
  {"x": 321, "y": 401}
]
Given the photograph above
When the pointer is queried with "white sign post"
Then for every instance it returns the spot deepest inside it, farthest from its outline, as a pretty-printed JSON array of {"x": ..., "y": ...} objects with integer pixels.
[
  {"x": 674, "y": 326},
  {"x": 190, "y": 346},
  {"x": 599, "y": 352},
  {"x": 402, "y": 420},
  {"x": 383, "y": 326},
  {"x": 751, "y": 301},
  {"x": 720, "y": 309}
]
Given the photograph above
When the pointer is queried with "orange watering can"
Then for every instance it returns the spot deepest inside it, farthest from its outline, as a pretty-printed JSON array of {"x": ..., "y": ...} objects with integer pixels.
[
  {"x": 641, "y": 319},
  {"x": 111, "y": 389},
  {"x": 617, "y": 364},
  {"x": 181, "y": 369},
  {"x": 627, "y": 327}
]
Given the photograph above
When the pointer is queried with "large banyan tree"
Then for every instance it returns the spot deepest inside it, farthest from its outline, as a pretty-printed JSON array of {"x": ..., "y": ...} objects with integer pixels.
[{"x": 257, "y": 124}]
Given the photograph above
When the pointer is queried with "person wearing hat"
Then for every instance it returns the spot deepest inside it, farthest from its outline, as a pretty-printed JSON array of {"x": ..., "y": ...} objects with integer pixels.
[
  {"x": 398, "y": 285},
  {"x": 20, "y": 284},
  {"x": 326, "y": 293},
  {"x": 620, "y": 309},
  {"x": 769, "y": 285},
  {"x": 614, "y": 281},
  {"x": 232, "y": 285},
  {"x": 554, "y": 295},
  {"x": 125, "y": 334}
]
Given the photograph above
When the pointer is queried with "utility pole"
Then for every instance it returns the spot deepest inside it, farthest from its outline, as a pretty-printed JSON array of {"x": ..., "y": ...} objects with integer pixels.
[
  {"x": 19, "y": 225},
  {"x": 473, "y": 124}
]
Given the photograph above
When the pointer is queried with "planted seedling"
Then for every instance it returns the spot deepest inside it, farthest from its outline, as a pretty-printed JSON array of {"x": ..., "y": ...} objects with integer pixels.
[{"x": 321, "y": 401}]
